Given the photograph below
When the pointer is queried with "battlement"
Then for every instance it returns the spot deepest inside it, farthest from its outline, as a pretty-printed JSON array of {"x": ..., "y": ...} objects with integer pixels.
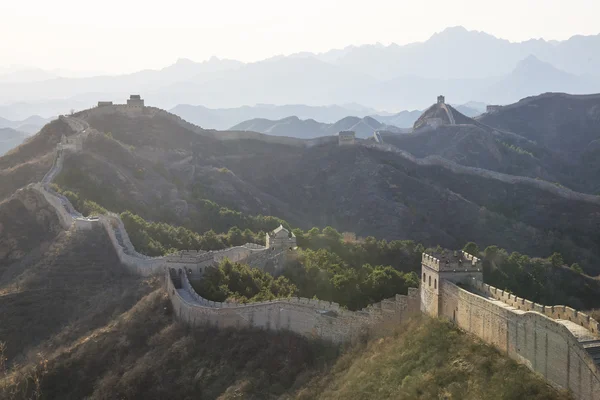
[
  {"x": 560, "y": 312},
  {"x": 451, "y": 261},
  {"x": 308, "y": 317}
]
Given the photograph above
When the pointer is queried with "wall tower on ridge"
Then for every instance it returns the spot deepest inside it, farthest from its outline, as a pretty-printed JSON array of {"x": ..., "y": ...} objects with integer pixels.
[
  {"x": 280, "y": 239},
  {"x": 135, "y": 100},
  {"x": 457, "y": 267},
  {"x": 346, "y": 138}
]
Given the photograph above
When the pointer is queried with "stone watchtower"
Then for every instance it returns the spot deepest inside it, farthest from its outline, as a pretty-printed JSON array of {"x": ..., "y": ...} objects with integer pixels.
[
  {"x": 457, "y": 267},
  {"x": 441, "y": 100},
  {"x": 346, "y": 138},
  {"x": 135, "y": 100},
  {"x": 280, "y": 239}
]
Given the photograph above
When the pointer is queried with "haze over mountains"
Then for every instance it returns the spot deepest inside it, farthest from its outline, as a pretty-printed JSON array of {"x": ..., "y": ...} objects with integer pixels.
[
  {"x": 306, "y": 129},
  {"x": 226, "y": 118},
  {"x": 464, "y": 65},
  {"x": 10, "y": 138}
]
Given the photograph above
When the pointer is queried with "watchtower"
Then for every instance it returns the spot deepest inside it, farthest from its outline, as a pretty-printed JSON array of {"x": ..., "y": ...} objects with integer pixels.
[
  {"x": 135, "y": 100},
  {"x": 457, "y": 267},
  {"x": 280, "y": 239},
  {"x": 441, "y": 99},
  {"x": 346, "y": 138}
]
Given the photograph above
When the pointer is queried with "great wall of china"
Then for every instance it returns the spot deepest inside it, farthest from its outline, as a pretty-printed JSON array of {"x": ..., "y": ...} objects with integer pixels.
[
  {"x": 557, "y": 342},
  {"x": 309, "y": 317}
]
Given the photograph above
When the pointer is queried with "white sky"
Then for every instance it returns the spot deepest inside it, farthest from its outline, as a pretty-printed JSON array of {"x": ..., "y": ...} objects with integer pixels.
[{"x": 129, "y": 35}]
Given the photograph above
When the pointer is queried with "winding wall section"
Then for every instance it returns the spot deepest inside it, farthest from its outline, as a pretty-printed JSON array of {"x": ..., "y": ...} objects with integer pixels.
[{"x": 308, "y": 317}]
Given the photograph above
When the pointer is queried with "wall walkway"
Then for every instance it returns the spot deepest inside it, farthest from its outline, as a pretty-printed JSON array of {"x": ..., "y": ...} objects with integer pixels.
[{"x": 553, "y": 341}]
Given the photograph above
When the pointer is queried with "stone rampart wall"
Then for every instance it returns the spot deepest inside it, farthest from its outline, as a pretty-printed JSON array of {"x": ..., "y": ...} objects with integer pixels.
[
  {"x": 143, "y": 266},
  {"x": 66, "y": 220},
  {"x": 308, "y": 317},
  {"x": 554, "y": 312},
  {"x": 530, "y": 337}
]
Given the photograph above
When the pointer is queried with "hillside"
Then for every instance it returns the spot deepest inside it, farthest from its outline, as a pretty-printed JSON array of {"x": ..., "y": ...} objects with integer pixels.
[
  {"x": 499, "y": 141},
  {"x": 307, "y": 129},
  {"x": 157, "y": 168},
  {"x": 564, "y": 124},
  {"x": 161, "y": 358},
  {"x": 72, "y": 310},
  {"x": 84, "y": 315},
  {"x": 426, "y": 360}
]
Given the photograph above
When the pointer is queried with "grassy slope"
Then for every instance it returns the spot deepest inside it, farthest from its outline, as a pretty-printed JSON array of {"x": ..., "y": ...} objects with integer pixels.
[
  {"x": 145, "y": 354},
  {"x": 429, "y": 359}
]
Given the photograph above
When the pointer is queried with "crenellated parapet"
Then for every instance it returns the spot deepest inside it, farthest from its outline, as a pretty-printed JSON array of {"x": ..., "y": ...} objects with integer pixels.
[
  {"x": 307, "y": 317},
  {"x": 559, "y": 312},
  {"x": 451, "y": 261},
  {"x": 560, "y": 348}
]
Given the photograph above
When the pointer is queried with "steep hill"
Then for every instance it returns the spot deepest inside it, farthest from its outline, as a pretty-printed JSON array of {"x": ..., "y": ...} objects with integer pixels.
[
  {"x": 306, "y": 129},
  {"x": 491, "y": 142},
  {"x": 394, "y": 367},
  {"x": 29, "y": 162},
  {"x": 156, "y": 167},
  {"x": 71, "y": 310},
  {"x": 567, "y": 125},
  {"x": 159, "y": 358},
  {"x": 564, "y": 123}
]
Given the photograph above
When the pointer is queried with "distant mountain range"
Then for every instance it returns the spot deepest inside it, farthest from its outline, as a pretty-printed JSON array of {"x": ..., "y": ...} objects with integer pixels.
[
  {"x": 309, "y": 128},
  {"x": 10, "y": 138},
  {"x": 225, "y": 118},
  {"x": 286, "y": 120},
  {"x": 463, "y": 65},
  {"x": 502, "y": 178},
  {"x": 29, "y": 125}
]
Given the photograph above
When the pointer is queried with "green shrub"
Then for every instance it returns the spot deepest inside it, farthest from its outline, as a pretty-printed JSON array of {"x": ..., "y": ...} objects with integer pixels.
[{"x": 241, "y": 284}]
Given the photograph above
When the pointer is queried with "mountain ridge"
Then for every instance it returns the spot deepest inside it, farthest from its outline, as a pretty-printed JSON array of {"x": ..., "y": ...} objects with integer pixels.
[{"x": 309, "y": 128}]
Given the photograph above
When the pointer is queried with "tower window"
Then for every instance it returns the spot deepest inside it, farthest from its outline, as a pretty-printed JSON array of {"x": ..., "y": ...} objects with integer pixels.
[
  {"x": 435, "y": 283},
  {"x": 430, "y": 280},
  {"x": 423, "y": 276}
]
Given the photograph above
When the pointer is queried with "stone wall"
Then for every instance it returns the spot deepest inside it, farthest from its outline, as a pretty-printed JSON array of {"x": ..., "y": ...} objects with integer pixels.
[
  {"x": 307, "y": 317},
  {"x": 554, "y": 312},
  {"x": 313, "y": 318},
  {"x": 136, "y": 263},
  {"x": 528, "y": 336}
]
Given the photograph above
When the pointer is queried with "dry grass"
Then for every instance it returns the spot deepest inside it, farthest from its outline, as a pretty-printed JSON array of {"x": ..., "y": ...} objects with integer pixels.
[
  {"x": 144, "y": 354},
  {"x": 428, "y": 359}
]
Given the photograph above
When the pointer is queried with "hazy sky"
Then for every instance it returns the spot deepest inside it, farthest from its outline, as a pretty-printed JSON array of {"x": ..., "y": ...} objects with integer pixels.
[{"x": 128, "y": 35}]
